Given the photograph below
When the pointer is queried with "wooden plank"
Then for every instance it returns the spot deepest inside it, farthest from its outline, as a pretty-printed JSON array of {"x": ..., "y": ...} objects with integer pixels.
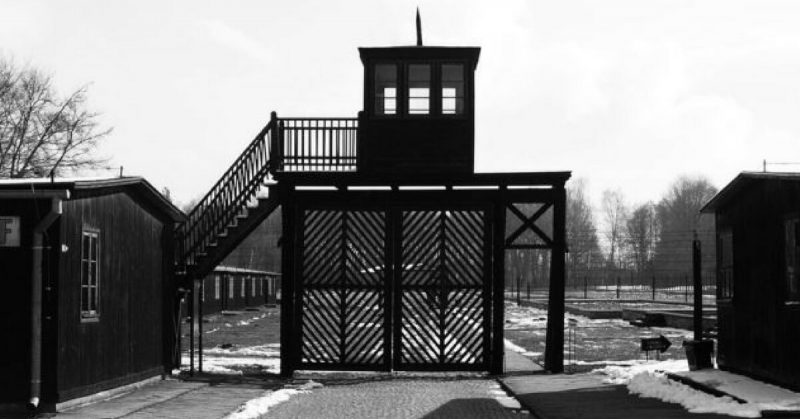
[
  {"x": 498, "y": 284},
  {"x": 554, "y": 349},
  {"x": 288, "y": 269}
]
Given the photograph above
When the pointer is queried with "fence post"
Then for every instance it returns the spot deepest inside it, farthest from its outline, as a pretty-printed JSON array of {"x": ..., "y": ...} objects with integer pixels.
[
  {"x": 653, "y": 286},
  {"x": 585, "y": 286},
  {"x": 528, "y": 288},
  {"x": 518, "y": 281},
  {"x": 698, "y": 288},
  {"x": 618, "y": 285},
  {"x": 686, "y": 288}
]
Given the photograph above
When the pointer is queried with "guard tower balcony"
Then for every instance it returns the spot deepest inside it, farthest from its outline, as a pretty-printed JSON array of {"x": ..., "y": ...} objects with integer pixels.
[{"x": 418, "y": 118}]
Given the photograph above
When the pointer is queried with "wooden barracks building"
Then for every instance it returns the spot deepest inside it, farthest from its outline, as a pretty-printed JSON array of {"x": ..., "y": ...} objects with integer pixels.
[
  {"x": 88, "y": 290},
  {"x": 758, "y": 276}
]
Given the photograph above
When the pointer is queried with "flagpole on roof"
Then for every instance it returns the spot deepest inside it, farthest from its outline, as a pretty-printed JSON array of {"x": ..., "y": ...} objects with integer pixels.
[{"x": 419, "y": 29}]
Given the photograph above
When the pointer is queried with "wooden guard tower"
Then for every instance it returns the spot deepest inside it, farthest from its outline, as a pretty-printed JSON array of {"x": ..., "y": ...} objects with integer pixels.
[{"x": 393, "y": 247}]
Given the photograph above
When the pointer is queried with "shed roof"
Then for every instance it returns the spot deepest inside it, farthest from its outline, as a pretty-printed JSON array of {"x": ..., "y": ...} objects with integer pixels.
[
  {"x": 79, "y": 186},
  {"x": 741, "y": 182}
]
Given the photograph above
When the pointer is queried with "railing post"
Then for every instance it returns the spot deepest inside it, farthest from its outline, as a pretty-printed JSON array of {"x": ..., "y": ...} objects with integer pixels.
[
  {"x": 653, "y": 286},
  {"x": 359, "y": 141},
  {"x": 275, "y": 154}
]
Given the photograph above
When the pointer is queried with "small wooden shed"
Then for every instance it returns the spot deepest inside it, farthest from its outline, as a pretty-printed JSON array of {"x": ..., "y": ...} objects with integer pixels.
[
  {"x": 758, "y": 287},
  {"x": 88, "y": 295}
]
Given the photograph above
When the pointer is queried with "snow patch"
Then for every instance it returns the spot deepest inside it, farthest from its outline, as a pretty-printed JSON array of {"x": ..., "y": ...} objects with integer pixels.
[
  {"x": 621, "y": 372},
  {"x": 519, "y": 349},
  {"x": 259, "y": 406},
  {"x": 648, "y": 379},
  {"x": 767, "y": 396},
  {"x": 657, "y": 385}
]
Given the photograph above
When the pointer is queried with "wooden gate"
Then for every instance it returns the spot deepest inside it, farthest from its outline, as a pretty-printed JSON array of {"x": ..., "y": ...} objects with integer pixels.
[
  {"x": 443, "y": 296},
  {"x": 430, "y": 311},
  {"x": 343, "y": 291}
]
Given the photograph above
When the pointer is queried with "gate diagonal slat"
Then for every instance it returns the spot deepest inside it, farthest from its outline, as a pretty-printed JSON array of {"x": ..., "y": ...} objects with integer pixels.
[
  {"x": 343, "y": 323},
  {"x": 418, "y": 241},
  {"x": 359, "y": 331},
  {"x": 363, "y": 272},
  {"x": 370, "y": 228},
  {"x": 317, "y": 326},
  {"x": 421, "y": 232},
  {"x": 422, "y": 272},
  {"x": 322, "y": 318},
  {"x": 320, "y": 258},
  {"x": 420, "y": 331},
  {"x": 318, "y": 232},
  {"x": 458, "y": 338}
]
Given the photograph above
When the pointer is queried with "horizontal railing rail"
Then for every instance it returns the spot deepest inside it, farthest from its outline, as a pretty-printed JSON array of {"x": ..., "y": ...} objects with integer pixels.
[{"x": 317, "y": 144}]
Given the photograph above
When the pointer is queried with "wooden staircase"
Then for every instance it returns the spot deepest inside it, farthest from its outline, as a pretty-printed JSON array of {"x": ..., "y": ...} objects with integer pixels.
[
  {"x": 233, "y": 208},
  {"x": 245, "y": 195}
]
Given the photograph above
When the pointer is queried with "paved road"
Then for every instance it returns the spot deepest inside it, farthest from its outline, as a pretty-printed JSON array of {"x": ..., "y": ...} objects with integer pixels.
[
  {"x": 400, "y": 398},
  {"x": 173, "y": 399}
]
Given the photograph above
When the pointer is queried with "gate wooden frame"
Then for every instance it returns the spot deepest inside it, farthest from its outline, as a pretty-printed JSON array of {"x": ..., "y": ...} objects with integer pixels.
[{"x": 496, "y": 192}]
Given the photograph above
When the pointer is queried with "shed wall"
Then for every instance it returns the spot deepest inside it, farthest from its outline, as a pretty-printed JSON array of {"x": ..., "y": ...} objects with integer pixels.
[
  {"x": 126, "y": 343},
  {"x": 758, "y": 331}
]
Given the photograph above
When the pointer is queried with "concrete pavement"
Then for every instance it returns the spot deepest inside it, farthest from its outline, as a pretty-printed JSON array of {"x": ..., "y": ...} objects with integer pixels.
[{"x": 581, "y": 396}]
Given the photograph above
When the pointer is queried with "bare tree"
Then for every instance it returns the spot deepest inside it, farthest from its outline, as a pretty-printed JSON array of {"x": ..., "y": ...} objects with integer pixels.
[
  {"x": 584, "y": 249},
  {"x": 679, "y": 217},
  {"x": 41, "y": 133},
  {"x": 641, "y": 233},
  {"x": 614, "y": 214}
]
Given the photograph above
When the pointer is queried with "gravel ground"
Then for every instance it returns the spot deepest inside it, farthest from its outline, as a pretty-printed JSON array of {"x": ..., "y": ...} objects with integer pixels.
[{"x": 400, "y": 398}]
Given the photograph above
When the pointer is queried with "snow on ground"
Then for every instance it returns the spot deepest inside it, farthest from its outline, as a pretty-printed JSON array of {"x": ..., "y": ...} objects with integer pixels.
[
  {"x": 519, "y": 349},
  {"x": 231, "y": 361},
  {"x": 622, "y": 372},
  {"x": 259, "y": 406},
  {"x": 657, "y": 385},
  {"x": 648, "y": 379},
  {"x": 767, "y": 396}
]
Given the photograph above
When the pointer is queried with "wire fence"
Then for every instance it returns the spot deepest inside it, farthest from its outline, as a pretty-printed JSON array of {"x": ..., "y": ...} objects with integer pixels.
[{"x": 661, "y": 273}]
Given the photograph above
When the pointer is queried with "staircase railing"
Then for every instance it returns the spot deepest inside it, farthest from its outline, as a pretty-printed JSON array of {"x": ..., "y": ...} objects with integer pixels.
[
  {"x": 317, "y": 144},
  {"x": 283, "y": 145},
  {"x": 226, "y": 199}
]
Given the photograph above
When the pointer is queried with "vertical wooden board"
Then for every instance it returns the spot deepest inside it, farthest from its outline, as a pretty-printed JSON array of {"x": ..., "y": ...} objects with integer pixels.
[{"x": 127, "y": 337}]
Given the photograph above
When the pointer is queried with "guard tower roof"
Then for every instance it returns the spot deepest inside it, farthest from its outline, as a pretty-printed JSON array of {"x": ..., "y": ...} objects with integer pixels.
[{"x": 421, "y": 53}]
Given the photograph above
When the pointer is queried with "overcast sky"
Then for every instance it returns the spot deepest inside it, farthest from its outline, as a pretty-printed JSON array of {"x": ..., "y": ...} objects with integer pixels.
[{"x": 627, "y": 94}]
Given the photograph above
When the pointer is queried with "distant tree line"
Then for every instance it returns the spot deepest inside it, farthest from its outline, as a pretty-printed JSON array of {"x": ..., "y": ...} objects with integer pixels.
[{"x": 635, "y": 244}]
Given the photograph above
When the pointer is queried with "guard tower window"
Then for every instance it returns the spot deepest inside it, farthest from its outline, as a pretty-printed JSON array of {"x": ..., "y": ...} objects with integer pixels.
[
  {"x": 386, "y": 89},
  {"x": 419, "y": 89},
  {"x": 452, "y": 89}
]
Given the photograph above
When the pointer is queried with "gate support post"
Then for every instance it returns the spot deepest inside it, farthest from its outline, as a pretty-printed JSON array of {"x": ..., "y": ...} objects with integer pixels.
[
  {"x": 554, "y": 349},
  {"x": 287, "y": 284},
  {"x": 498, "y": 284}
]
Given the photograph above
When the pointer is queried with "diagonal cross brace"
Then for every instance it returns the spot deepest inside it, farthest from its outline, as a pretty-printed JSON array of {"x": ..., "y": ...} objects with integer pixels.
[{"x": 528, "y": 223}]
